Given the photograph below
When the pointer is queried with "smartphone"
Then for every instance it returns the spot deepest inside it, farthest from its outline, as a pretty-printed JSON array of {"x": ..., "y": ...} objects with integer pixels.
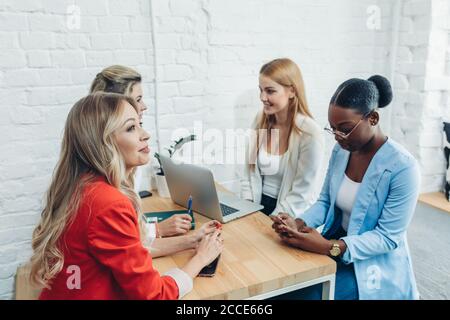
[
  {"x": 145, "y": 194},
  {"x": 210, "y": 269}
]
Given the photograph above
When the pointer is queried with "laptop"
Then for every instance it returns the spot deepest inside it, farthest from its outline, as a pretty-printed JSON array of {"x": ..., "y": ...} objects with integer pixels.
[{"x": 184, "y": 180}]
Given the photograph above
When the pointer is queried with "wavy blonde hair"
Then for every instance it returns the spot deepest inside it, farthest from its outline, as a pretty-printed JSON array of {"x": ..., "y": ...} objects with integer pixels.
[
  {"x": 117, "y": 79},
  {"x": 287, "y": 74},
  {"x": 88, "y": 150}
]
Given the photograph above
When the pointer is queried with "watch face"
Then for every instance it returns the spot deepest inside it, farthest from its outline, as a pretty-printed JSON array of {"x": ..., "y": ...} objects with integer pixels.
[{"x": 335, "y": 251}]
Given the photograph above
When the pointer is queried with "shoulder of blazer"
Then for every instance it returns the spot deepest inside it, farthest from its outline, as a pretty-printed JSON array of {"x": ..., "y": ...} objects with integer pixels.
[
  {"x": 308, "y": 125},
  {"x": 396, "y": 157},
  {"x": 100, "y": 194},
  {"x": 310, "y": 131}
]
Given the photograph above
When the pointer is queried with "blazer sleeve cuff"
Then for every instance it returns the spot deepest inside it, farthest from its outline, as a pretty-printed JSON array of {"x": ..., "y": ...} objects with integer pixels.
[
  {"x": 151, "y": 235},
  {"x": 346, "y": 257},
  {"x": 184, "y": 282}
]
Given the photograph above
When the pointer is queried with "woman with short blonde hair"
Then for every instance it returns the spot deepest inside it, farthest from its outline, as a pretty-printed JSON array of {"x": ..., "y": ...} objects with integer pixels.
[{"x": 116, "y": 78}]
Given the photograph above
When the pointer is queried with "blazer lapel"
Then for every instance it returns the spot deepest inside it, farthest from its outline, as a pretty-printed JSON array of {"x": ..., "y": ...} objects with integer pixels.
[
  {"x": 369, "y": 184},
  {"x": 338, "y": 171}
]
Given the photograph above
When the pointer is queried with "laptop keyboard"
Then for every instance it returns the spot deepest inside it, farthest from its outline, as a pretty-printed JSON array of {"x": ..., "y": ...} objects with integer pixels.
[{"x": 226, "y": 210}]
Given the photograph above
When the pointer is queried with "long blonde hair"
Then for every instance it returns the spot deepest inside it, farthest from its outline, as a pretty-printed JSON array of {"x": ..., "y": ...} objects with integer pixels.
[
  {"x": 88, "y": 150},
  {"x": 117, "y": 79},
  {"x": 287, "y": 74}
]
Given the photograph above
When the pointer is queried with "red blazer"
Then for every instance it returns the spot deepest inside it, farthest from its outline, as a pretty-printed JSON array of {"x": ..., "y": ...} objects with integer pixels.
[{"x": 103, "y": 254}]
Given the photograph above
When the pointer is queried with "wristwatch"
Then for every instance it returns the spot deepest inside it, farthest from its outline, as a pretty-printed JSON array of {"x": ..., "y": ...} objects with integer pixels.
[{"x": 335, "y": 250}]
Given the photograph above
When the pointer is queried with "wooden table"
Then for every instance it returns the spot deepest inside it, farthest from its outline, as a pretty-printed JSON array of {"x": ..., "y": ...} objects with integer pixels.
[{"x": 255, "y": 264}]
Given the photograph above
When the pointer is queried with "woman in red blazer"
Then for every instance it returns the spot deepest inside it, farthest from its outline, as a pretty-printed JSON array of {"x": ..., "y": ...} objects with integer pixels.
[{"x": 88, "y": 243}]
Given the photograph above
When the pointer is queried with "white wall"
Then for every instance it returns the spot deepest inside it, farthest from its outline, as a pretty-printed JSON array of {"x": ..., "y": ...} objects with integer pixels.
[
  {"x": 209, "y": 54},
  {"x": 44, "y": 69},
  {"x": 225, "y": 43},
  {"x": 422, "y": 86}
]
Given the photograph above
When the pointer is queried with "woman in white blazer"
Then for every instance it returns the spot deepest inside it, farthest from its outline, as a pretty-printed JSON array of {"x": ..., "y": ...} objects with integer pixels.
[{"x": 284, "y": 155}]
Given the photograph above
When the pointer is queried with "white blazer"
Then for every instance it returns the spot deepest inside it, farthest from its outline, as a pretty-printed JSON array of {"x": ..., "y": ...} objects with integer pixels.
[{"x": 301, "y": 178}]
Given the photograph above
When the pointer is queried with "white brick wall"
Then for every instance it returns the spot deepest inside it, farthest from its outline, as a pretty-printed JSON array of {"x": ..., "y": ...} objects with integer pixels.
[
  {"x": 422, "y": 82},
  {"x": 44, "y": 69},
  {"x": 209, "y": 53}
]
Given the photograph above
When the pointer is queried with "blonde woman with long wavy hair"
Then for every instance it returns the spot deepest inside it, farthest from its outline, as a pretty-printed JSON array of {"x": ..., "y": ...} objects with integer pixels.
[
  {"x": 286, "y": 154},
  {"x": 127, "y": 81},
  {"x": 88, "y": 243}
]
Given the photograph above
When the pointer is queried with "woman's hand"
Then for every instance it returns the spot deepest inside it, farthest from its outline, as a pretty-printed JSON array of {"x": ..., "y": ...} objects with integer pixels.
[
  {"x": 210, "y": 247},
  {"x": 285, "y": 219},
  {"x": 176, "y": 225},
  {"x": 206, "y": 229},
  {"x": 308, "y": 239},
  {"x": 282, "y": 219}
]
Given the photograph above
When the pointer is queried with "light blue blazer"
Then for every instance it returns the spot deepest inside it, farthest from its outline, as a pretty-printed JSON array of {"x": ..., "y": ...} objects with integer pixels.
[{"x": 384, "y": 206}]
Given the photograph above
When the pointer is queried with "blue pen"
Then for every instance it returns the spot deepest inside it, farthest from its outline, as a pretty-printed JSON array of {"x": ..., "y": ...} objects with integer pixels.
[{"x": 190, "y": 205}]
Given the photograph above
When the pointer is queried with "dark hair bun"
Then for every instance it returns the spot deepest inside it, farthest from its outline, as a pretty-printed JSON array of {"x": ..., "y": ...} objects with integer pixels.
[{"x": 384, "y": 89}]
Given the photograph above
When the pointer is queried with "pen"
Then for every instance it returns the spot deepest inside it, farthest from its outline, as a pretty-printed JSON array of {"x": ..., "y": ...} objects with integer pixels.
[{"x": 190, "y": 205}]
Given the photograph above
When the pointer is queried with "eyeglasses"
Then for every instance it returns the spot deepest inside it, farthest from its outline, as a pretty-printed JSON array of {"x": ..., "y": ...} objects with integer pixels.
[{"x": 343, "y": 135}]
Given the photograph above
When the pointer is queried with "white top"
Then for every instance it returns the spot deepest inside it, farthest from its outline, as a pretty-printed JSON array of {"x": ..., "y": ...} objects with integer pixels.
[
  {"x": 346, "y": 199},
  {"x": 303, "y": 175},
  {"x": 272, "y": 169},
  {"x": 183, "y": 280}
]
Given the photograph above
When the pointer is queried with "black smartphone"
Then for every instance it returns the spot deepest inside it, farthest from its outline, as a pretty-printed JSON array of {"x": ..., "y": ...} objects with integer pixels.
[
  {"x": 145, "y": 194},
  {"x": 210, "y": 269}
]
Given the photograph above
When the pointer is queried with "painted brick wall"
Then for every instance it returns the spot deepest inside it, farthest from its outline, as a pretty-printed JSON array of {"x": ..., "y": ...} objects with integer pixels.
[
  {"x": 45, "y": 66},
  {"x": 222, "y": 45},
  {"x": 422, "y": 84}
]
